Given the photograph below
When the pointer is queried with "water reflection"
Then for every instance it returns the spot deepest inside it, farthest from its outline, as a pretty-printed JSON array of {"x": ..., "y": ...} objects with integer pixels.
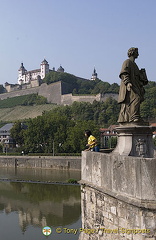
[
  {"x": 36, "y": 206},
  {"x": 39, "y": 174}
]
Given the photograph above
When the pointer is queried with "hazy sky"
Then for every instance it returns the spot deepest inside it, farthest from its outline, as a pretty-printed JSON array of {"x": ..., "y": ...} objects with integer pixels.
[{"x": 78, "y": 34}]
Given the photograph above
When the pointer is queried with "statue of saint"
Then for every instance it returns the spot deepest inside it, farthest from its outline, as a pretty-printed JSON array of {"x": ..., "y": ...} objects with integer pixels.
[{"x": 131, "y": 92}]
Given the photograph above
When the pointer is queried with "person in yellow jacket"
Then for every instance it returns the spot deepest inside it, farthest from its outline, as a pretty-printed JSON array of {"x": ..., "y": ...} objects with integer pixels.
[{"x": 92, "y": 142}]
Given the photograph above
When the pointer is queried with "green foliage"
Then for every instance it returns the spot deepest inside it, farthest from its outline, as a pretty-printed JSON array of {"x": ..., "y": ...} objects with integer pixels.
[
  {"x": 59, "y": 76},
  {"x": 102, "y": 113},
  {"x": 108, "y": 114},
  {"x": 75, "y": 141},
  {"x": 73, "y": 181},
  {"x": 53, "y": 130},
  {"x": 81, "y": 86},
  {"x": 148, "y": 107},
  {"x": 25, "y": 100},
  {"x": 69, "y": 79},
  {"x": 33, "y": 99},
  {"x": 62, "y": 128},
  {"x": 44, "y": 131},
  {"x": 17, "y": 133}
]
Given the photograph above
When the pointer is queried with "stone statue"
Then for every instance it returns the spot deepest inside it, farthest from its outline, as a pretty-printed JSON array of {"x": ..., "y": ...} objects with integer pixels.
[{"x": 131, "y": 92}]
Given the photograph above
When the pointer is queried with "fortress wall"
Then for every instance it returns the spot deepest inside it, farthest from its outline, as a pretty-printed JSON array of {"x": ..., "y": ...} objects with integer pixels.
[
  {"x": 86, "y": 98},
  {"x": 58, "y": 92},
  {"x": 19, "y": 93},
  {"x": 52, "y": 92},
  {"x": 107, "y": 95},
  {"x": 68, "y": 99}
]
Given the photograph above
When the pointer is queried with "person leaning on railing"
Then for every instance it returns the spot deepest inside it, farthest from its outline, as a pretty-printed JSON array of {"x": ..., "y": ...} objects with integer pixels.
[{"x": 92, "y": 142}]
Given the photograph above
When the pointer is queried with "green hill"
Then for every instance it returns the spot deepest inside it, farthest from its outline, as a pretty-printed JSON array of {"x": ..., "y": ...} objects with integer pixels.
[{"x": 23, "y": 112}]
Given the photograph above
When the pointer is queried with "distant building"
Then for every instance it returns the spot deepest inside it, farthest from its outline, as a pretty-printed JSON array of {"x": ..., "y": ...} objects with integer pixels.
[
  {"x": 5, "y": 139},
  {"x": 25, "y": 76},
  {"x": 31, "y": 80},
  {"x": 106, "y": 134},
  {"x": 60, "y": 69},
  {"x": 94, "y": 75}
]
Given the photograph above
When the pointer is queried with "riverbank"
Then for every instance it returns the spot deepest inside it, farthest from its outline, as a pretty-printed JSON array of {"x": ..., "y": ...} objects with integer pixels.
[{"x": 45, "y": 162}]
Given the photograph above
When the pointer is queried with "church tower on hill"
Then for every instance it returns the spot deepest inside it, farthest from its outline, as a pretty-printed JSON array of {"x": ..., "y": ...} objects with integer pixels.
[{"x": 94, "y": 75}]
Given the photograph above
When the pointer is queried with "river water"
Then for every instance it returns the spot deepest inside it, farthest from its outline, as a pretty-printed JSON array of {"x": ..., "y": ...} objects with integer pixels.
[{"x": 27, "y": 207}]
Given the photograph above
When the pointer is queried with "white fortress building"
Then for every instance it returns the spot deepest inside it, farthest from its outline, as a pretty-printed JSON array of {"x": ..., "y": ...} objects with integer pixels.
[
  {"x": 25, "y": 77},
  {"x": 30, "y": 79}
]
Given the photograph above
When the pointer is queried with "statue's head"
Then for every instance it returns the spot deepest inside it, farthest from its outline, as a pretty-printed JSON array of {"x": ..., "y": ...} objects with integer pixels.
[{"x": 132, "y": 51}]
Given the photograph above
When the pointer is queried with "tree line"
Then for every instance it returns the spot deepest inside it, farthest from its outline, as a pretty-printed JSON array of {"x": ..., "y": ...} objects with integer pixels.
[
  {"x": 62, "y": 129},
  {"x": 52, "y": 132}
]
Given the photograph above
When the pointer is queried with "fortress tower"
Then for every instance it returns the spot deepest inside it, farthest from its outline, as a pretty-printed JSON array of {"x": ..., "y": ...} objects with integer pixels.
[
  {"x": 44, "y": 68},
  {"x": 21, "y": 74}
]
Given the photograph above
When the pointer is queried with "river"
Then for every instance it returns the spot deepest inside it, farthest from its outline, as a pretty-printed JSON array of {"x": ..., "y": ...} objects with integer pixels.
[{"x": 27, "y": 207}]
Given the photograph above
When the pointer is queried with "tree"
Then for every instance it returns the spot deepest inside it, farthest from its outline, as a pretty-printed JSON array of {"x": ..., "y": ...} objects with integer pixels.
[
  {"x": 76, "y": 140},
  {"x": 148, "y": 107},
  {"x": 17, "y": 132},
  {"x": 44, "y": 130}
]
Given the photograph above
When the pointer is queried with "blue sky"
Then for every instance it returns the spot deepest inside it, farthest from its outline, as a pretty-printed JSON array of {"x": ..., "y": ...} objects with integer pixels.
[{"x": 78, "y": 34}]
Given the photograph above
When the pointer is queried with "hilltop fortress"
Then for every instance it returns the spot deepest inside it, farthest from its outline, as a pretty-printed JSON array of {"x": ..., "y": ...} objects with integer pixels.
[{"x": 30, "y": 82}]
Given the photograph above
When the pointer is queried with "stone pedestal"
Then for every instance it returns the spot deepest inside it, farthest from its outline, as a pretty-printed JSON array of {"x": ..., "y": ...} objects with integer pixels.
[{"x": 135, "y": 140}]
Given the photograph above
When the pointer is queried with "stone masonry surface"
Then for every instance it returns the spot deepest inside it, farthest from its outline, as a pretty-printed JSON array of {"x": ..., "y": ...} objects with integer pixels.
[{"x": 114, "y": 219}]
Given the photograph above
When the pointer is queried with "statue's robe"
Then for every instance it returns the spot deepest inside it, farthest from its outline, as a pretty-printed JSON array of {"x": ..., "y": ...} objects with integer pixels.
[{"x": 130, "y": 100}]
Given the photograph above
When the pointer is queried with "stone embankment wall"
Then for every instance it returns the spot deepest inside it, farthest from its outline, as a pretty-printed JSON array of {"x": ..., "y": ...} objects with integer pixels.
[
  {"x": 46, "y": 162},
  {"x": 59, "y": 93},
  {"x": 111, "y": 219},
  {"x": 131, "y": 179},
  {"x": 118, "y": 195}
]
